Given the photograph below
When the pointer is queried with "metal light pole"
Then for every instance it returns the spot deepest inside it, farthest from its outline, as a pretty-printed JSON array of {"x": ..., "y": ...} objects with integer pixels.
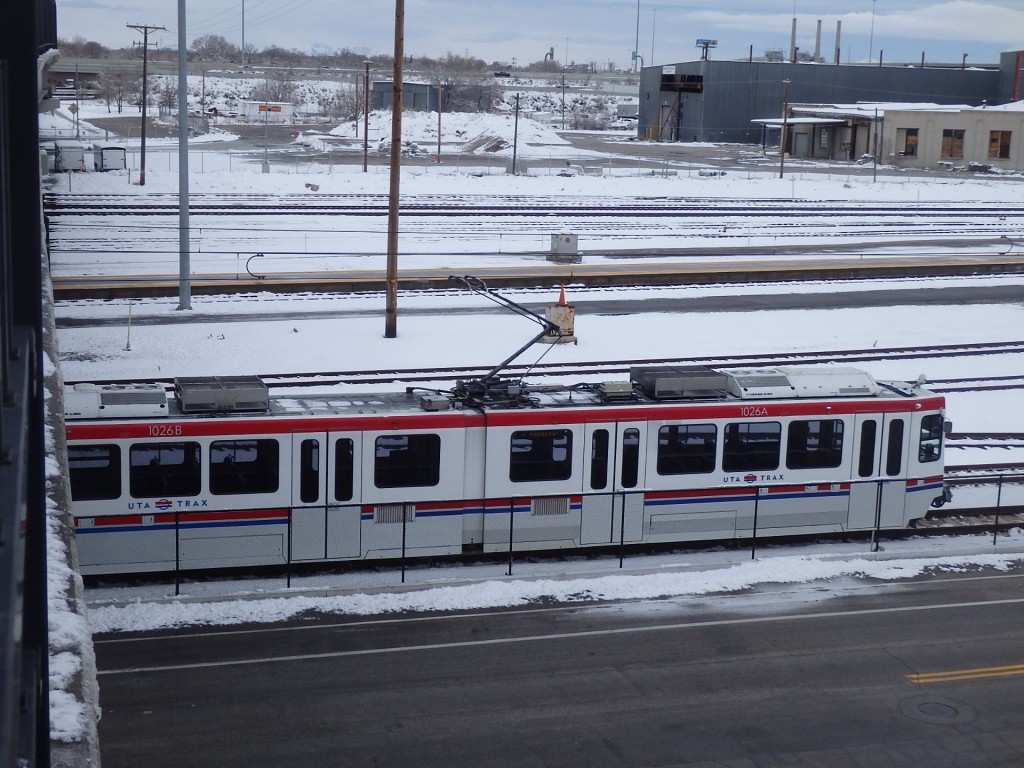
[
  {"x": 563, "y": 101},
  {"x": 366, "y": 114},
  {"x": 391, "y": 287},
  {"x": 636, "y": 44},
  {"x": 184, "y": 260},
  {"x": 440, "y": 105},
  {"x": 871, "y": 38},
  {"x": 515, "y": 138},
  {"x": 266, "y": 123},
  {"x": 785, "y": 128}
]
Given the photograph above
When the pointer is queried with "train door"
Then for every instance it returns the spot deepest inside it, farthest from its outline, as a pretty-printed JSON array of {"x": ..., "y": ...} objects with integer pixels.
[
  {"x": 614, "y": 473},
  {"x": 309, "y": 497},
  {"x": 323, "y": 479},
  {"x": 344, "y": 491},
  {"x": 878, "y": 493}
]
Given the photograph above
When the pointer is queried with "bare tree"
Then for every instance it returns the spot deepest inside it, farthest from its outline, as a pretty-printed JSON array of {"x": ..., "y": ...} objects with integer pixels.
[
  {"x": 344, "y": 104},
  {"x": 545, "y": 65},
  {"x": 116, "y": 87},
  {"x": 459, "y": 78},
  {"x": 165, "y": 93},
  {"x": 79, "y": 47},
  {"x": 214, "y": 48},
  {"x": 277, "y": 88}
]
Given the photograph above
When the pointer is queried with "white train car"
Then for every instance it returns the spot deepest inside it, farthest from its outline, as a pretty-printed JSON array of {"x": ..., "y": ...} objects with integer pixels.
[{"x": 222, "y": 474}]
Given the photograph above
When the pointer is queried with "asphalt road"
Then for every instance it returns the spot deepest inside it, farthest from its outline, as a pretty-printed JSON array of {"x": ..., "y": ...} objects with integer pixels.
[{"x": 844, "y": 675}]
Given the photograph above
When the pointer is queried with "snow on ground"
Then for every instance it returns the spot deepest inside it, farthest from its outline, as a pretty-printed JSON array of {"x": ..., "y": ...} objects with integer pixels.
[
  {"x": 473, "y": 133},
  {"x": 665, "y": 577},
  {"x": 453, "y": 329}
]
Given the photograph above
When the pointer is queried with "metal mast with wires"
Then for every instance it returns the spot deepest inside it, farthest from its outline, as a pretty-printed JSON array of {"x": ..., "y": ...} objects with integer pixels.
[{"x": 145, "y": 29}]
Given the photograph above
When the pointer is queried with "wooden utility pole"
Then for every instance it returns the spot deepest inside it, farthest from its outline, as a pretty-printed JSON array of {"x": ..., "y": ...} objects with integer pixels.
[
  {"x": 391, "y": 289},
  {"x": 145, "y": 29}
]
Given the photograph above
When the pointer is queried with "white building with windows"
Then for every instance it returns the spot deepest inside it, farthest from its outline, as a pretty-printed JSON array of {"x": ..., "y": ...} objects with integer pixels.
[
  {"x": 979, "y": 138},
  {"x": 908, "y": 135}
]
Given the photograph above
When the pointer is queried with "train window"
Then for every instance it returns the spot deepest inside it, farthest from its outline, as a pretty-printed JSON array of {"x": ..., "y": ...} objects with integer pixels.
[
  {"x": 163, "y": 469},
  {"x": 244, "y": 466},
  {"x": 407, "y": 461},
  {"x": 814, "y": 444},
  {"x": 309, "y": 471},
  {"x": 751, "y": 446},
  {"x": 686, "y": 449},
  {"x": 599, "y": 460},
  {"x": 344, "y": 466},
  {"x": 894, "y": 448},
  {"x": 540, "y": 454},
  {"x": 95, "y": 472},
  {"x": 931, "y": 439},
  {"x": 630, "y": 457},
  {"x": 866, "y": 461}
]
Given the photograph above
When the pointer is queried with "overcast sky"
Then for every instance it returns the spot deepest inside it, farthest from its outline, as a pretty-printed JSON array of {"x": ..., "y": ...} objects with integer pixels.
[{"x": 582, "y": 31}]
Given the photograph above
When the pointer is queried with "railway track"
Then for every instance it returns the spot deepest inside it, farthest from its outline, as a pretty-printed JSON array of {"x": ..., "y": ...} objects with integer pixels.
[
  {"x": 413, "y": 376},
  {"x": 498, "y": 205},
  {"x": 262, "y": 222}
]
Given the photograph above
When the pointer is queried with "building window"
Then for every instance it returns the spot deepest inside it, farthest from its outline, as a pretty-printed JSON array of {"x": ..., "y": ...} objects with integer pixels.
[
  {"x": 407, "y": 461},
  {"x": 540, "y": 454},
  {"x": 244, "y": 466},
  {"x": 931, "y": 439},
  {"x": 999, "y": 144},
  {"x": 163, "y": 469},
  {"x": 952, "y": 143},
  {"x": 752, "y": 446},
  {"x": 906, "y": 142},
  {"x": 814, "y": 444},
  {"x": 95, "y": 472},
  {"x": 686, "y": 449}
]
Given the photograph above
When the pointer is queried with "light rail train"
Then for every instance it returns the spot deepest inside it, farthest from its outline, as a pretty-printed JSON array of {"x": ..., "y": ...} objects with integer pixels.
[{"x": 223, "y": 474}]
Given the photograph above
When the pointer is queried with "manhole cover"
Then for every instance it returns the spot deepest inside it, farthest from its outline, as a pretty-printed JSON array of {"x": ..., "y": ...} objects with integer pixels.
[{"x": 937, "y": 710}]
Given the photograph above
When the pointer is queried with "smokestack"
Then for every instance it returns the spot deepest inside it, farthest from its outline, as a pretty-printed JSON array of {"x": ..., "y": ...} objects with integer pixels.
[
  {"x": 839, "y": 31},
  {"x": 1016, "y": 76},
  {"x": 792, "y": 42},
  {"x": 817, "y": 44}
]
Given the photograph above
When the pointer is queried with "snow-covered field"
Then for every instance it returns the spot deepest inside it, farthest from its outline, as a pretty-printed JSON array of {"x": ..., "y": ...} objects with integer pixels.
[{"x": 351, "y": 338}]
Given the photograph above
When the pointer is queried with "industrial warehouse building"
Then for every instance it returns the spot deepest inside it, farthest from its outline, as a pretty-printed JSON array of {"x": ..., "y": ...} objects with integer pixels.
[
  {"x": 957, "y": 136},
  {"x": 744, "y": 102}
]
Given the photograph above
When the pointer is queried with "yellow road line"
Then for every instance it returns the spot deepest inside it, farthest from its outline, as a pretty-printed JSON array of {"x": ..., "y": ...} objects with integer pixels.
[{"x": 967, "y": 674}]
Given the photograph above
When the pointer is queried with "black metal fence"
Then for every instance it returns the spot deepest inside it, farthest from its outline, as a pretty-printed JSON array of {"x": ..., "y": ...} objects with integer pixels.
[{"x": 515, "y": 548}]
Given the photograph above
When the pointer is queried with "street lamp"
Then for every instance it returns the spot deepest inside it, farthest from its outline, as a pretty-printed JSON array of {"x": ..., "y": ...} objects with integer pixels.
[
  {"x": 266, "y": 124},
  {"x": 366, "y": 114},
  {"x": 785, "y": 127}
]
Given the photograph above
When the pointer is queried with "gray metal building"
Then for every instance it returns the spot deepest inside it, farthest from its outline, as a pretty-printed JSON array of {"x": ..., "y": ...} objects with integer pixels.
[
  {"x": 716, "y": 101},
  {"x": 417, "y": 97}
]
